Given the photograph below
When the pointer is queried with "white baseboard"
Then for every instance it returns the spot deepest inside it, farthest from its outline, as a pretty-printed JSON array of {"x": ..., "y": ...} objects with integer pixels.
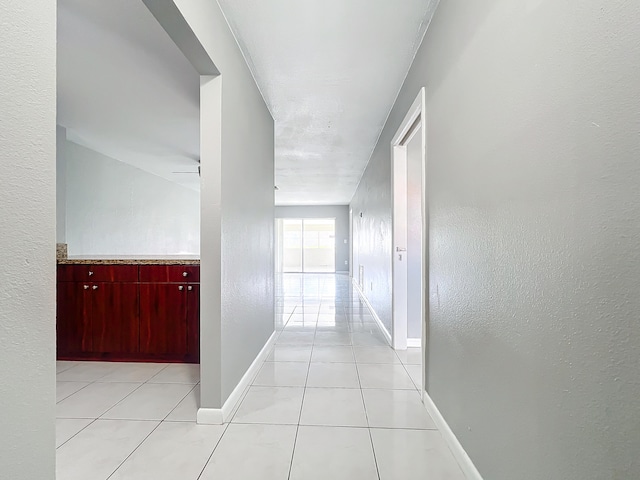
[
  {"x": 414, "y": 342},
  {"x": 209, "y": 416},
  {"x": 385, "y": 332},
  {"x": 218, "y": 416},
  {"x": 466, "y": 465}
]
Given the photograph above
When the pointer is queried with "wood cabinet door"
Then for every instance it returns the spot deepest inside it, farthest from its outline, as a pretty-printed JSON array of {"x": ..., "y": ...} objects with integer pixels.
[
  {"x": 73, "y": 319},
  {"x": 193, "y": 322},
  {"x": 115, "y": 317},
  {"x": 163, "y": 319}
]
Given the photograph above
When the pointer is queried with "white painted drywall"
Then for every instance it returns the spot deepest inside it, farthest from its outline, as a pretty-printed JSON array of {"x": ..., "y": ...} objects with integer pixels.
[
  {"x": 61, "y": 185},
  {"x": 238, "y": 218},
  {"x": 115, "y": 209},
  {"x": 27, "y": 239},
  {"x": 532, "y": 152},
  {"x": 414, "y": 237},
  {"x": 339, "y": 212}
]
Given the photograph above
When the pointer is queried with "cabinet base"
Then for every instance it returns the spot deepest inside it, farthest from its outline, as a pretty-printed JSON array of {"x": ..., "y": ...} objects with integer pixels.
[{"x": 129, "y": 357}]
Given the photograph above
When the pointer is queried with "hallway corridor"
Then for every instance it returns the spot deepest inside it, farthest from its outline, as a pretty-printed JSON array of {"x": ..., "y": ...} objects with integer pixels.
[{"x": 332, "y": 401}]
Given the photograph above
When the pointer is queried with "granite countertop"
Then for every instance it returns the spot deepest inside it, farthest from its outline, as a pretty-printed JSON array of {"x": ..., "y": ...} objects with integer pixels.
[{"x": 131, "y": 260}]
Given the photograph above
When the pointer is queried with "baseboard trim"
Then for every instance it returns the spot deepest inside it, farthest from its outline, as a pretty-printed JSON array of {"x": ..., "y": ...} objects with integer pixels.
[
  {"x": 247, "y": 379},
  {"x": 218, "y": 416},
  {"x": 209, "y": 416},
  {"x": 466, "y": 465},
  {"x": 414, "y": 342},
  {"x": 385, "y": 332}
]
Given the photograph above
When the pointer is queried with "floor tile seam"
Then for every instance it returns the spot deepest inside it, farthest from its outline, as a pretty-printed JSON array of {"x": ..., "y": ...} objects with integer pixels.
[
  {"x": 120, "y": 401},
  {"x": 75, "y": 434},
  {"x": 62, "y": 371},
  {"x": 165, "y": 383},
  {"x": 134, "y": 450},
  {"x": 272, "y": 424},
  {"x": 159, "y": 372},
  {"x": 418, "y": 388},
  {"x": 178, "y": 404},
  {"x": 366, "y": 413},
  {"x": 69, "y": 396},
  {"x": 239, "y": 403},
  {"x": 295, "y": 441},
  {"x": 226, "y": 427}
]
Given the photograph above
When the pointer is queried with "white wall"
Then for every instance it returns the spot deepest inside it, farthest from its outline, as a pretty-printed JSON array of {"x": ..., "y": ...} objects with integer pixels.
[
  {"x": 27, "y": 239},
  {"x": 113, "y": 208},
  {"x": 414, "y": 237},
  {"x": 61, "y": 185},
  {"x": 533, "y": 147},
  {"x": 339, "y": 212},
  {"x": 237, "y": 210}
]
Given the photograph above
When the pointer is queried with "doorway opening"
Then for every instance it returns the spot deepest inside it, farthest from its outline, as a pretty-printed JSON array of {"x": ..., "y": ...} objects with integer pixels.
[
  {"x": 410, "y": 262},
  {"x": 306, "y": 245}
]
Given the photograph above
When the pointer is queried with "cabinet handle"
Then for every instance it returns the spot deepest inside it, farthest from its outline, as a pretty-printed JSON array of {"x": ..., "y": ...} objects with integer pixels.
[
  {"x": 95, "y": 287},
  {"x": 86, "y": 287},
  {"x": 90, "y": 273},
  {"x": 189, "y": 288},
  {"x": 180, "y": 288},
  {"x": 185, "y": 274}
]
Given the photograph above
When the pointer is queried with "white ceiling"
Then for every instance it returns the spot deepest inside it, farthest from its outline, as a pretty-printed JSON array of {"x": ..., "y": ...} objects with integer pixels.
[
  {"x": 125, "y": 89},
  {"x": 329, "y": 70}
]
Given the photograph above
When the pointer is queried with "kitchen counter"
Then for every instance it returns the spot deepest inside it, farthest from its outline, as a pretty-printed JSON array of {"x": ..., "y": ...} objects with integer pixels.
[{"x": 130, "y": 260}]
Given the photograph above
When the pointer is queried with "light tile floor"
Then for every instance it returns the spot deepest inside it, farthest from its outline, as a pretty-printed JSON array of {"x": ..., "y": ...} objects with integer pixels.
[{"x": 332, "y": 401}]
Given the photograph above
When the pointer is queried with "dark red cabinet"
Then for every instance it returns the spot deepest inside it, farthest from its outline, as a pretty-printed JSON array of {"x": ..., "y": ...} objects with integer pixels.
[
  {"x": 163, "y": 318},
  {"x": 107, "y": 312},
  {"x": 169, "y": 273},
  {"x": 73, "y": 321},
  {"x": 193, "y": 322},
  {"x": 114, "y": 317}
]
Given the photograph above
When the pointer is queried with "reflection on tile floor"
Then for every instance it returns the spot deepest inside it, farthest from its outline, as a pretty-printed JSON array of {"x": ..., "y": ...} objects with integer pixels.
[{"x": 333, "y": 400}]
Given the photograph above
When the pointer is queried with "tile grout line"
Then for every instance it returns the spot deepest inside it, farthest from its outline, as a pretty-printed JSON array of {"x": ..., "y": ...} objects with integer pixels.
[
  {"x": 177, "y": 404},
  {"x": 304, "y": 392},
  {"x": 93, "y": 420},
  {"x": 135, "y": 449},
  {"x": 366, "y": 413},
  {"x": 213, "y": 451}
]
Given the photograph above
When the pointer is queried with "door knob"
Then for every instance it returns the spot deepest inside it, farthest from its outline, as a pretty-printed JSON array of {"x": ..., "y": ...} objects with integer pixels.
[
  {"x": 180, "y": 288},
  {"x": 86, "y": 287},
  {"x": 95, "y": 287},
  {"x": 90, "y": 273},
  {"x": 185, "y": 274},
  {"x": 401, "y": 249},
  {"x": 189, "y": 288}
]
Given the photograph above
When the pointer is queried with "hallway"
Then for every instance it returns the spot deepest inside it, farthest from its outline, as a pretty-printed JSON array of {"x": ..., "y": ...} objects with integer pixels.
[{"x": 332, "y": 401}]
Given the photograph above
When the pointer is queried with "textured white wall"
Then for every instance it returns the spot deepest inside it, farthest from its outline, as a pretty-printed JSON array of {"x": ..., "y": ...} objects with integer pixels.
[
  {"x": 61, "y": 185},
  {"x": 238, "y": 211},
  {"x": 533, "y": 147},
  {"x": 113, "y": 208},
  {"x": 27, "y": 239}
]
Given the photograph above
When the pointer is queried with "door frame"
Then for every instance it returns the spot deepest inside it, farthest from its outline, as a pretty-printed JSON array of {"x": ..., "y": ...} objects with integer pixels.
[
  {"x": 417, "y": 113},
  {"x": 350, "y": 242}
]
